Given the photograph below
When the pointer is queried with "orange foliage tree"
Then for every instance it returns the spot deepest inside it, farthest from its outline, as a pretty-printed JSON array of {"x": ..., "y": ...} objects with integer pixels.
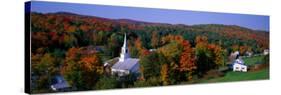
[
  {"x": 92, "y": 63},
  {"x": 187, "y": 60},
  {"x": 141, "y": 50},
  {"x": 82, "y": 70}
]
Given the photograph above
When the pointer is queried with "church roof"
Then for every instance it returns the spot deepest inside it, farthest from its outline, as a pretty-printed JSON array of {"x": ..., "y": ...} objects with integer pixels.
[{"x": 128, "y": 64}]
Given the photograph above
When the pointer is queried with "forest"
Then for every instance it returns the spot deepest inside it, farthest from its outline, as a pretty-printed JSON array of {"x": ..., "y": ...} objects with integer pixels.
[{"x": 76, "y": 47}]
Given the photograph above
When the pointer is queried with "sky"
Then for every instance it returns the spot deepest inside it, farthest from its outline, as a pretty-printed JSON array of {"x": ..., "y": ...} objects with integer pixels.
[{"x": 256, "y": 22}]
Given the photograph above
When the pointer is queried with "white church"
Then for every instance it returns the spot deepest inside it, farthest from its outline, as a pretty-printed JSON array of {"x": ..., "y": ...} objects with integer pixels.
[{"x": 125, "y": 64}]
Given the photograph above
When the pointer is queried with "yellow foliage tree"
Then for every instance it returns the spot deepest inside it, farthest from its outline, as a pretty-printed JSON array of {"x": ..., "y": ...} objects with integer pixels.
[{"x": 165, "y": 74}]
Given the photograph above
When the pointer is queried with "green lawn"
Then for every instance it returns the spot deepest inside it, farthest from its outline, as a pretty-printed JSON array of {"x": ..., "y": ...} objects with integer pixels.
[
  {"x": 253, "y": 60},
  {"x": 240, "y": 76}
]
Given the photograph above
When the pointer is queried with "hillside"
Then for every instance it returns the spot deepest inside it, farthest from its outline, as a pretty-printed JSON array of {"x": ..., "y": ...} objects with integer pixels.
[
  {"x": 62, "y": 23},
  {"x": 76, "y": 47}
]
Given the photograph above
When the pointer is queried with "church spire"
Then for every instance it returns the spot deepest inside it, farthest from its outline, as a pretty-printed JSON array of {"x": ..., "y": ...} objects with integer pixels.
[
  {"x": 124, "y": 51},
  {"x": 125, "y": 42}
]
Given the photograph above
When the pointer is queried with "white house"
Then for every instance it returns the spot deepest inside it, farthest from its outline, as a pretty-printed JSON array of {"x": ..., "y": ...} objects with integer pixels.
[
  {"x": 266, "y": 52},
  {"x": 125, "y": 65},
  {"x": 249, "y": 53},
  {"x": 239, "y": 65}
]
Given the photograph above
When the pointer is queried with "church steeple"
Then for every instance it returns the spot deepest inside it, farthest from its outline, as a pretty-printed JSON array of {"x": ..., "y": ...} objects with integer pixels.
[
  {"x": 124, "y": 51},
  {"x": 125, "y": 42}
]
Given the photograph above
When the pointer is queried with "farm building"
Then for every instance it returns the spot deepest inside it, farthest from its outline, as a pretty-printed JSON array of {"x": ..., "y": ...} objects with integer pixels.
[
  {"x": 239, "y": 65},
  {"x": 266, "y": 52}
]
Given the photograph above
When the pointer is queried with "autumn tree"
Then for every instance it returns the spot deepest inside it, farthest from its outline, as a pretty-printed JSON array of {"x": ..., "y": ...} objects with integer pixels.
[
  {"x": 107, "y": 82},
  {"x": 217, "y": 54},
  {"x": 151, "y": 65},
  {"x": 235, "y": 48},
  {"x": 203, "y": 55},
  {"x": 114, "y": 45},
  {"x": 171, "y": 51},
  {"x": 82, "y": 71},
  {"x": 92, "y": 63},
  {"x": 208, "y": 56},
  {"x": 153, "y": 81},
  {"x": 155, "y": 39},
  {"x": 71, "y": 28},
  {"x": 99, "y": 37},
  {"x": 133, "y": 51},
  {"x": 69, "y": 40},
  {"x": 84, "y": 28},
  {"x": 43, "y": 68},
  {"x": 243, "y": 49},
  {"x": 71, "y": 70},
  {"x": 165, "y": 74},
  {"x": 141, "y": 49},
  {"x": 169, "y": 38},
  {"x": 187, "y": 60},
  {"x": 39, "y": 39},
  {"x": 92, "y": 68}
]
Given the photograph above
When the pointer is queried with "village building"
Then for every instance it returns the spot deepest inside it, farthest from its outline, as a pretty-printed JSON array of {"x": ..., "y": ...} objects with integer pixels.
[
  {"x": 249, "y": 54},
  {"x": 125, "y": 65},
  {"x": 266, "y": 52},
  {"x": 234, "y": 55},
  {"x": 60, "y": 84},
  {"x": 239, "y": 65}
]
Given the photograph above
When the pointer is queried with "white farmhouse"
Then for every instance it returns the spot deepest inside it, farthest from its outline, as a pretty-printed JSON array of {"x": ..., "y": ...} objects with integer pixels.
[
  {"x": 239, "y": 65},
  {"x": 125, "y": 65},
  {"x": 266, "y": 52}
]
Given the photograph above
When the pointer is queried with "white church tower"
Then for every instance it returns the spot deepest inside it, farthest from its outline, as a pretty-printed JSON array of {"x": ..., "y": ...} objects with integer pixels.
[
  {"x": 125, "y": 65},
  {"x": 124, "y": 51}
]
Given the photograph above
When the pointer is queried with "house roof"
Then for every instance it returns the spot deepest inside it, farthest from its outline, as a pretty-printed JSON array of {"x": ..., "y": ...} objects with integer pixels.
[
  {"x": 239, "y": 65},
  {"x": 61, "y": 83},
  {"x": 238, "y": 61},
  {"x": 128, "y": 64}
]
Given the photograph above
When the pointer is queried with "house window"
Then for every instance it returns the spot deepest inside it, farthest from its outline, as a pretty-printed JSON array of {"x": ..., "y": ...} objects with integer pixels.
[{"x": 236, "y": 68}]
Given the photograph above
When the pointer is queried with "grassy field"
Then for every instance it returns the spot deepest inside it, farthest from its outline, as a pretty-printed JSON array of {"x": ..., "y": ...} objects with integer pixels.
[
  {"x": 253, "y": 60},
  {"x": 241, "y": 76}
]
